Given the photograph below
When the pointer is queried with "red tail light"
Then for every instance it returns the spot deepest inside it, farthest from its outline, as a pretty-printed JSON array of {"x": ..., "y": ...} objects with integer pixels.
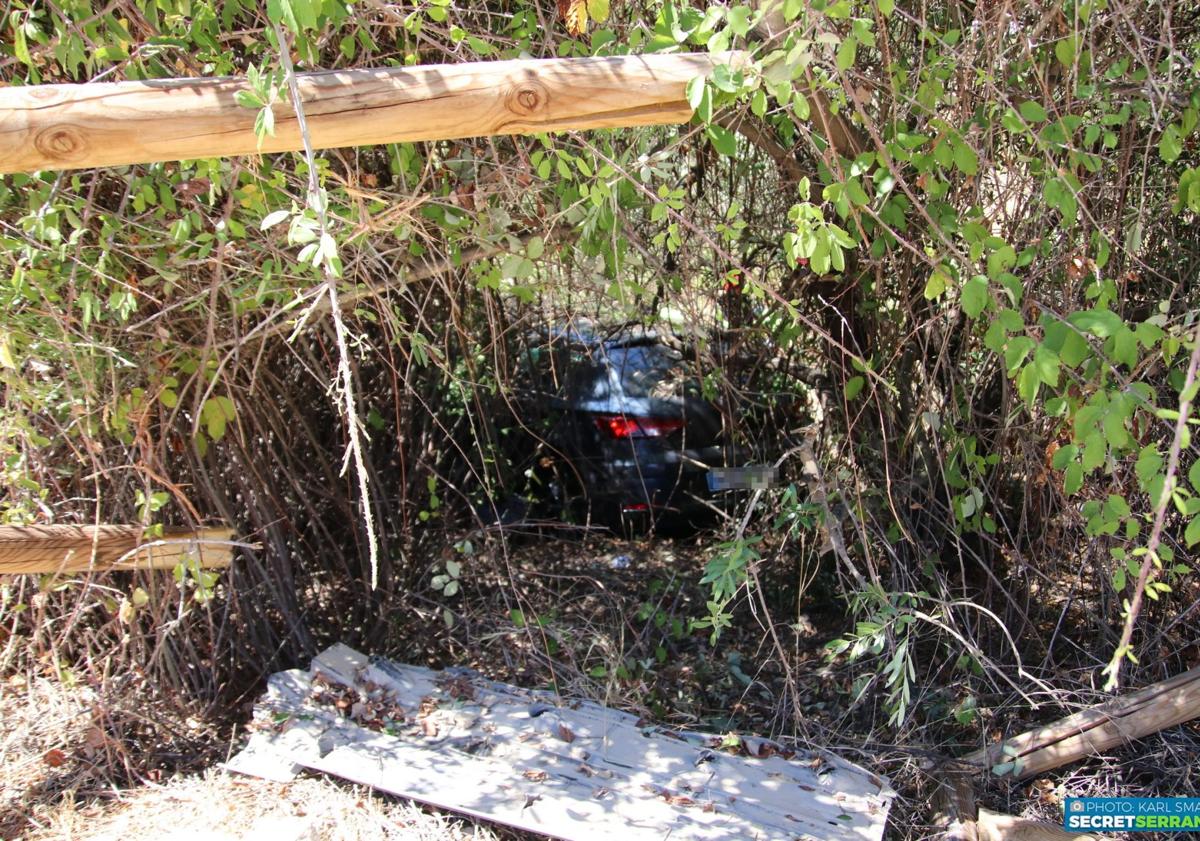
[{"x": 627, "y": 426}]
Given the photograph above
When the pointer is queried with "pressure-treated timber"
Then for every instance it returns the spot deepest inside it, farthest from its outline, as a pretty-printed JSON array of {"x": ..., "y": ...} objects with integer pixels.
[
  {"x": 109, "y": 124},
  {"x": 1113, "y": 723},
  {"x": 71, "y": 549}
]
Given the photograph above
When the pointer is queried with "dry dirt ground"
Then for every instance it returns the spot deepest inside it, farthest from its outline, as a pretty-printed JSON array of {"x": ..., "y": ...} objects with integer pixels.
[
  {"x": 607, "y": 620},
  {"x": 53, "y": 764}
]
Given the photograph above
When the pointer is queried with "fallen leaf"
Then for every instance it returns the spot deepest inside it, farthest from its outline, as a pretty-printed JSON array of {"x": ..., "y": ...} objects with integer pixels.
[
  {"x": 54, "y": 757},
  {"x": 565, "y": 733},
  {"x": 574, "y": 15},
  {"x": 535, "y": 775}
]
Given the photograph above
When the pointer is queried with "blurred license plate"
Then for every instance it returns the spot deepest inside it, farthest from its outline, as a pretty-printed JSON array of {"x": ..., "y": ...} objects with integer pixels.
[{"x": 753, "y": 477}]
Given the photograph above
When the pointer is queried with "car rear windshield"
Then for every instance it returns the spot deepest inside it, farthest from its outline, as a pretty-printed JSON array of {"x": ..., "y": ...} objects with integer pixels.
[{"x": 644, "y": 370}]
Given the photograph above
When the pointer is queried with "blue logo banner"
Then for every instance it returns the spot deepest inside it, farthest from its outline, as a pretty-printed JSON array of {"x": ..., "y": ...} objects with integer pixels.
[{"x": 1132, "y": 814}]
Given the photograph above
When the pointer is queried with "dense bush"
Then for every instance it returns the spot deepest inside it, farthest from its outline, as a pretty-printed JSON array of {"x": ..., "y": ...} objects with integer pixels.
[{"x": 961, "y": 237}]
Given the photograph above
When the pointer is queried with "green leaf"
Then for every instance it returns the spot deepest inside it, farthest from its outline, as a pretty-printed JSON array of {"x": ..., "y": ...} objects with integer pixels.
[
  {"x": 1064, "y": 51},
  {"x": 854, "y": 386},
  {"x": 1046, "y": 362},
  {"x": 281, "y": 12},
  {"x": 1064, "y": 456},
  {"x": 598, "y": 10},
  {"x": 1170, "y": 146},
  {"x": 1033, "y": 111},
  {"x": 856, "y": 192},
  {"x": 704, "y": 105},
  {"x": 975, "y": 295},
  {"x": 965, "y": 159},
  {"x": 1192, "y": 533},
  {"x": 1149, "y": 462},
  {"x": 726, "y": 79},
  {"x": 1095, "y": 448},
  {"x": 819, "y": 261},
  {"x": 758, "y": 103},
  {"x": 20, "y": 45},
  {"x": 306, "y": 13},
  {"x": 264, "y": 124},
  {"x": 1003, "y": 258},
  {"x": 248, "y": 99},
  {"x": 739, "y": 20},
  {"x": 846, "y": 53},
  {"x": 938, "y": 281},
  {"x": 1015, "y": 351},
  {"x": 722, "y": 140},
  {"x": 1072, "y": 478},
  {"x": 1028, "y": 383},
  {"x": 1101, "y": 323}
]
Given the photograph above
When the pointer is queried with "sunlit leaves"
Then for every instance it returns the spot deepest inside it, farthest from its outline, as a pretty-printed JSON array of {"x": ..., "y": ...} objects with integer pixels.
[
  {"x": 574, "y": 15},
  {"x": 820, "y": 243},
  {"x": 598, "y": 10},
  {"x": 937, "y": 284},
  {"x": 216, "y": 414},
  {"x": 723, "y": 140}
]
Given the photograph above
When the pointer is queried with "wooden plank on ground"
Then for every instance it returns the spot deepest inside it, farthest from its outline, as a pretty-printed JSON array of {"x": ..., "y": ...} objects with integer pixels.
[
  {"x": 528, "y": 759},
  {"x": 1096, "y": 729},
  {"x": 113, "y": 123},
  {"x": 71, "y": 549}
]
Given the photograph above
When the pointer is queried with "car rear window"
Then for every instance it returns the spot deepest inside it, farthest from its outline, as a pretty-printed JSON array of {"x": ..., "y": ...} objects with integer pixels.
[{"x": 645, "y": 370}]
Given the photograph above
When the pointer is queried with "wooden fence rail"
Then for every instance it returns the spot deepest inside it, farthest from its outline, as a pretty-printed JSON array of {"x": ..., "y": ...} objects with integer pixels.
[
  {"x": 71, "y": 549},
  {"x": 114, "y": 123},
  {"x": 1096, "y": 729}
]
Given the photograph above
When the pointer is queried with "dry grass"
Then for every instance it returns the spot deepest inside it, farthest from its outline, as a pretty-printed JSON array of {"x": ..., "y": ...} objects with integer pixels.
[
  {"x": 216, "y": 806},
  {"x": 57, "y": 782},
  {"x": 40, "y": 724}
]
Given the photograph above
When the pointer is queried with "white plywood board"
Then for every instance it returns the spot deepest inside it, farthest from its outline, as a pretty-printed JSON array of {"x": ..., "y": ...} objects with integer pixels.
[{"x": 529, "y": 759}]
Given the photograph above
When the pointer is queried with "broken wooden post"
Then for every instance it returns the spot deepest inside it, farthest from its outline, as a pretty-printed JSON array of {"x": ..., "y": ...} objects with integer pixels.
[
  {"x": 958, "y": 818},
  {"x": 953, "y": 804},
  {"x": 1091, "y": 731},
  {"x": 109, "y": 124},
  {"x": 70, "y": 549},
  {"x": 1096, "y": 729}
]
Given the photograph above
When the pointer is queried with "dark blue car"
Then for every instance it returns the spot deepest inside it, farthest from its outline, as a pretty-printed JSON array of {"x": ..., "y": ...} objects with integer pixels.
[{"x": 629, "y": 436}]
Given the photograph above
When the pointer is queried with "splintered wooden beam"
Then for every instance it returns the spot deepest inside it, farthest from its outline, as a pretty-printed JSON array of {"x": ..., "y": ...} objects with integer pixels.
[
  {"x": 1097, "y": 729},
  {"x": 959, "y": 819},
  {"x": 110, "y": 124},
  {"x": 71, "y": 549}
]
